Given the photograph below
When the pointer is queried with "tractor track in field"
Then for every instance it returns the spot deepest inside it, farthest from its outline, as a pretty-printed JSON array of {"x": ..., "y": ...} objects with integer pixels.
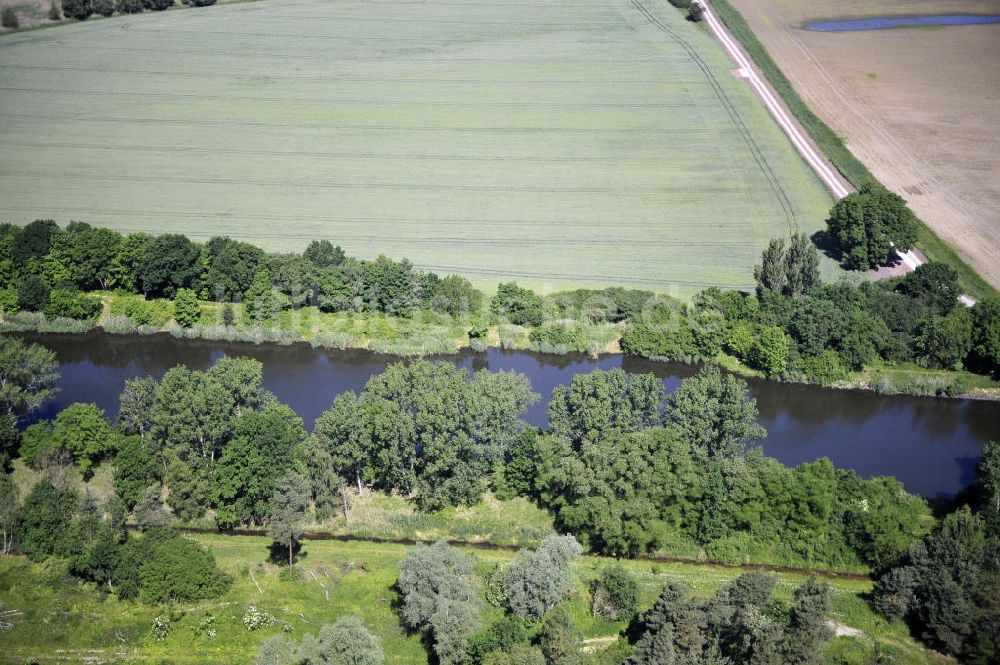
[
  {"x": 208, "y": 122},
  {"x": 351, "y": 79},
  {"x": 727, "y": 104},
  {"x": 387, "y": 185}
]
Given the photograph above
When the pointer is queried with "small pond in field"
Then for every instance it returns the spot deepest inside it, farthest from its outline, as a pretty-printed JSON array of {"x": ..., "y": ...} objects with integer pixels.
[
  {"x": 931, "y": 445},
  {"x": 888, "y": 22}
]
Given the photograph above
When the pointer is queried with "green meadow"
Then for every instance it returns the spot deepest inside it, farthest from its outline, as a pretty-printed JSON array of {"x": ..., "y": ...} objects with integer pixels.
[
  {"x": 560, "y": 144},
  {"x": 59, "y": 619}
]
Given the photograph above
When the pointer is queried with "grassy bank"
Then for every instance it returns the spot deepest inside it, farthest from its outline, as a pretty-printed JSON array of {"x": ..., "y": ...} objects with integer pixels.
[
  {"x": 59, "y": 618},
  {"x": 428, "y": 333},
  {"x": 834, "y": 148}
]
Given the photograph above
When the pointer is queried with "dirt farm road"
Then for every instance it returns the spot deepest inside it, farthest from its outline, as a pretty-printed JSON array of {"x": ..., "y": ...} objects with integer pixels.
[{"x": 803, "y": 144}]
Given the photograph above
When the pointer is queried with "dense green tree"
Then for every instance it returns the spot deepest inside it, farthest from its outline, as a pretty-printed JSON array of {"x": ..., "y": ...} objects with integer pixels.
[
  {"x": 192, "y": 413},
  {"x": 242, "y": 379},
  {"x": 129, "y": 254},
  {"x": 322, "y": 254},
  {"x": 390, "y": 287},
  {"x": 289, "y": 511},
  {"x": 602, "y": 402},
  {"x": 559, "y": 638},
  {"x": 986, "y": 335},
  {"x": 82, "y": 430},
  {"x": 326, "y": 486},
  {"x": 879, "y": 518},
  {"x": 341, "y": 433},
  {"x": 83, "y": 254},
  {"x": 988, "y": 480},
  {"x": 535, "y": 582},
  {"x": 181, "y": 569},
  {"x": 34, "y": 240},
  {"x": 715, "y": 413},
  {"x": 769, "y": 351},
  {"x": 341, "y": 288},
  {"x": 801, "y": 264},
  {"x": 869, "y": 224},
  {"x": 807, "y": 629},
  {"x": 32, "y": 293},
  {"x": 149, "y": 511},
  {"x": 232, "y": 267},
  {"x": 103, "y": 7},
  {"x": 190, "y": 485},
  {"x": 45, "y": 520},
  {"x": 519, "y": 305},
  {"x": 439, "y": 598},
  {"x": 934, "y": 284},
  {"x": 935, "y": 588},
  {"x": 135, "y": 406},
  {"x": 263, "y": 447},
  {"x": 770, "y": 274},
  {"x": 263, "y": 301},
  {"x": 8, "y": 19},
  {"x": 621, "y": 493},
  {"x": 80, "y": 10},
  {"x": 28, "y": 373},
  {"x": 426, "y": 429},
  {"x": 946, "y": 341},
  {"x": 186, "y": 309},
  {"x": 500, "y": 637},
  {"x": 457, "y": 296},
  {"x": 168, "y": 263},
  {"x": 293, "y": 276}
]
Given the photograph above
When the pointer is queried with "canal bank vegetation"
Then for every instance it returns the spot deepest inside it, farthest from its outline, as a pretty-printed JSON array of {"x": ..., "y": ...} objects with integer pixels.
[
  {"x": 623, "y": 468},
  {"x": 903, "y": 335}
]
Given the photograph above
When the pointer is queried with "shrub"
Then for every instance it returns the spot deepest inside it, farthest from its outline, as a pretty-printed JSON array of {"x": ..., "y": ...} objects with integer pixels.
[
  {"x": 55, "y": 12},
  {"x": 614, "y": 595},
  {"x": 8, "y": 18},
  {"x": 522, "y": 307},
  {"x": 824, "y": 369},
  {"x": 130, "y": 6},
  {"x": 32, "y": 294},
  {"x": 186, "y": 309},
  {"x": 558, "y": 338},
  {"x": 103, "y": 7},
  {"x": 8, "y": 299},
  {"x": 181, "y": 570},
  {"x": 72, "y": 304},
  {"x": 536, "y": 581},
  {"x": 158, "y": 5},
  {"x": 77, "y": 9}
]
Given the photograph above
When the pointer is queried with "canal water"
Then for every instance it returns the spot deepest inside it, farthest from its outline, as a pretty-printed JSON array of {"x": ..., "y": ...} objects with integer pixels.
[
  {"x": 930, "y": 444},
  {"x": 889, "y": 22}
]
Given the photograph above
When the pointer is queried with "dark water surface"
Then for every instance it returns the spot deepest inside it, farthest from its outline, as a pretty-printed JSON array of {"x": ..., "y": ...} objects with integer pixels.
[
  {"x": 888, "y": 22},
  {"x": 931, "y": 445}
]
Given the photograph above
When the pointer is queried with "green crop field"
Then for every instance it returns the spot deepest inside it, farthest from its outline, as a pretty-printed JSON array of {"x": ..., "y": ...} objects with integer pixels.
[
  {"x": 590, "y": 142},
  {"x": 57, "y": 619}
]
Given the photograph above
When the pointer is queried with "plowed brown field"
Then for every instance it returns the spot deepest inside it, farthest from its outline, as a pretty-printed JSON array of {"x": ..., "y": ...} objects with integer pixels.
[{"x": 918, "y": 106}]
